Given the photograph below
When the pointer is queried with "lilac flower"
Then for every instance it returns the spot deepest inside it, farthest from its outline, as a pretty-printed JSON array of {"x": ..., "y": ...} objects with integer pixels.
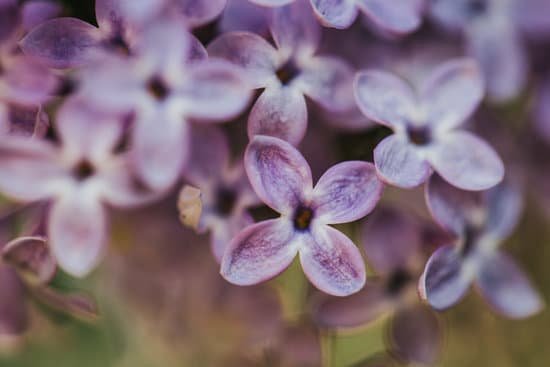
[
  {"x": 243, "y": 15},
  {"x": 287, "y": 73},
  {"x": 414, "y": 332},
  {"x": 163, "y": 88},
  {"x": 79, "y": 176},
  {"x": 482, "y": 223},
  {"x": 282, "y": 179},
  {"x": 225, "y": 192},
  {"x": 493, "y": 31},
  {"x": 398, "y": 16},
  {"x": 425, "y": 125}
]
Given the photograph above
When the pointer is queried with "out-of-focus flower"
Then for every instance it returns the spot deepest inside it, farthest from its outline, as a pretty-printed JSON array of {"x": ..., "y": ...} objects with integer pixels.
[
  {"x": 414, "y": 333},
  {"x": 287, "y": 73},
  {"x": 398, "y": 16},
  {"x": 79, "y": 175},
  {"x": 482, "y": 223},
  {"x": 425, "y": 124},
  {"x": 493, "y": 31},
  {"x": 542, "y": 109},
  {"x": 225, "y": 192},
  {"x": 164, "y": 88},
  {"x": 243, "y": 15},
  {"x": 282, "y": 179}
]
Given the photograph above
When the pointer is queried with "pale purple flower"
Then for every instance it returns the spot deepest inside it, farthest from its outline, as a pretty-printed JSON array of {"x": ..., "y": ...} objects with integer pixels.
[
  {"x": 243, "y": 15},
  {"x": 481, "y": 222},
  {"x": 493, "y": 31},
  {"x": 425, "y": 125},
  {"x": 282, "y": 179},
  {"x": 225, "y": 192},
  {"x": 398, "y": 16},
  {"x": 163, "y": 87},
  {"x": 288, "y": 72},
  {"x": 79, "y": 176}
]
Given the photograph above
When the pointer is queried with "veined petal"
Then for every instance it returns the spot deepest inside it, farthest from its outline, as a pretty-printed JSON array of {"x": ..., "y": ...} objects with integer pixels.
[
  {"x": 280, "y": 112},
  {"x": 332, "y": 262},
  {"x": 249, "y": 51},
  {"x": 113, "y": 14},
  {"x": 384, "y": 97},
  {"x": 452, "y": 93},
  {"x": 200, "y": 12},
  {"x": 30, "y": 256},
  {"x": 244, "y": 15},
  {"x": 505, "y": 206},
  {"x": 62, "y": 42},
  {"x": 398, "y": 16},
  {"x": 346, "y": 192},
  {"x": 77, "y": 230},
  {"x": 278, "y": 172},
  {"x": 444, "y": 282},
  {"x": 466, "y": 161},
  {"x": 338, "y": 14},
  {"x": 295, "y": 29},
  {"x": 259, "y": 252},
  {"x": 399, "y": 163},
  {"x": 504, "y": 285},
  {"x": 13, "y": 310}
]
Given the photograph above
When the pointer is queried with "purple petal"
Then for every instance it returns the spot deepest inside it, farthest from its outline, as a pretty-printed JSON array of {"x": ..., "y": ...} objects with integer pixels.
[
  {"x": 384, "y": 98},
  {"x": 62, "y": 42},
  {"x": 31, "y": 257},
  {"x": 505, "y": 205},
  {"x": 504, "y": 285},
  {"x": 259, "y": 252},
  {"x": 280, "y": 112},
  {"x": 466, "y": 161},
  {"x": 35, "y": 12},
  {"x": 444, "y": 282},
  {"x": 452, "y": 93},
  {"x": 9, "y": 19},
  {"x": 399, "y": 163},
  {"x": 542, "y": 110},
  {"x": 531, "y": 16},
  {"x": 271, "y": 3},
  {"x": 13, "y": 310},
  {"x": 332, "y": 262},
  {"x": 160, "y": 149},
  {"x": 346, "y": 192},
  {"x": 244, "y": 15},
  {"x": 401, "y": 16},
  {"x": 278, "y": 173},
  {"x": 416, "y": 335},
  {"x": 225, "y": 231},
  {"x": 251, "y": 52},
  {"x": 338, "y": 14},
  {"x": 197, "y": 52},
  {"x": 329, "y": 82},
  {"x": 75, "y": 305},
  {"x": 115, "y": 14},
  {"x": 295, "y": 29},
  {"x": 27, "y": 121},
  {"x": 200, "y": 12},
  {"x": 215, "y": 90}
]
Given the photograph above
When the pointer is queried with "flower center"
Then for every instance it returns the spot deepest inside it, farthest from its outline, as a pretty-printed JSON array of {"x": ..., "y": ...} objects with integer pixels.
[
  {"x": 471, "y": 235},
  {"x": 225, "y": 201},
  {"x": 118, "y": 43},
  {"x": 419, "y": 135},
  {"x": 157, "y": 88},
  {"x": 302, "y": 218},
  {"x": 83, "y": 170},
  {"x": 397, "y": 281},
  {"x": 288, "y": 72}
]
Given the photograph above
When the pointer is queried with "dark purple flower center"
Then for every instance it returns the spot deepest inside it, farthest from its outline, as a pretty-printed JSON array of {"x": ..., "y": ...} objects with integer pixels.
[
  {"x": 398, "y": 280},
  {"x": 302, "y": 218},
  {"x": 471, "y": 235},
  {"x": 419, "y": 135},
  {"x": 288, "y": 72},
  {"x": 119, "y": 44},
  {"x": 225, "y": 201},
  {"x": 83, "y": 170},
  {"x": 158, "y": 88}
]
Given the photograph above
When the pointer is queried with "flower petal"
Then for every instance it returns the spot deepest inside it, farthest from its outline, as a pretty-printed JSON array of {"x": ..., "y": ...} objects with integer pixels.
[
  {"x": 259, "y": 252},
  {"x": 13, "y": 310},
  {"x": 280, "y": 112},
  {"x": 398, "y": 16},
  {"x": 215, "y": 90},
  {"x": 444, "y": 282},
  {"x": 452, "y": 93},
  {"x": 251, "y": 52},
  {"x": 35, "y": 12},
  {"x": 398, "y": 162},
  {"x": 200, "y": 12},
  {"x": 30, "y": 256},
  {"x": 332, "y": 262},
  {"x": 338, "y": 14},
  {"x": 295, "y": 29},
  {"x": 62, "y": 42},
  {"x": 504, "y": 285},
  {"x": 505, "y": 206},
  {"x": 384, "y": 98},
  {"x": 466, "y": 161},
  {"x": 77, "y": 231},
  {"x": 244, "y": 15},
  {"x": 226, "y": 230},
  {"x": 346, "y": 192},
  {"x": 75, "y": 305},
  {"x": 278, "y": 172}
]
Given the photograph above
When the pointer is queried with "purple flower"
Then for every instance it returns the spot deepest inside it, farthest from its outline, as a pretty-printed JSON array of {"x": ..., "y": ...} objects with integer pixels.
[
  {"x": 225, "y": 192},
  {"x": 287, "y": 73},
  {"x": 243, "y": 15},
  {"x": 425, "y": 125},
  {"x": 282, "y": 179},
  {"x": 542, "y": 109},
  {"x": 79, "y": 176},
  {"x": 163, "y": 88},
  {"x": 398, "y": 16},
  {"x": 493, "y": 30},
  {"x": 482, "y": 223},
  {"x": 414, "y": 332}
]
